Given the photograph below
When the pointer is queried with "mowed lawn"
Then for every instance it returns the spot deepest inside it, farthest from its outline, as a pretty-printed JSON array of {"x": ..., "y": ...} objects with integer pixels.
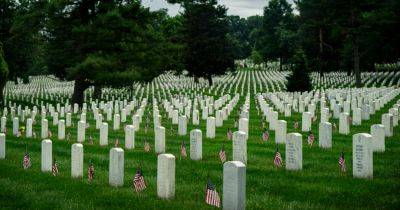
[{"x": 319, "y": 185}]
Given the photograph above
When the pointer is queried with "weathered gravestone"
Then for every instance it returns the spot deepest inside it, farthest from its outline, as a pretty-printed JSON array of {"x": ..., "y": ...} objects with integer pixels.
[{"x": 234, "y": 186}]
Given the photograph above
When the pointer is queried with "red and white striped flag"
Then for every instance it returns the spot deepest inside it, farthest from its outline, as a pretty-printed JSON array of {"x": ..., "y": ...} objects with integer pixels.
[
  {"x": 54, "y": 168},
  {"x": 229, "y": 134},
  {"x": 222, "y": 154},
  {"x": 27, "y": 161},
  {"x": 342, "y": 163},
  {"x": 183, "y": 149},
  {"x": 146, "y": 146},
  {"x": 278, "y": 159},
  {"x": 265, "y": 135},
  {"x": 90, "y": 172},
  {"x": 138, "y": 181},
  {"x": 212, "y": 197},
  {"x": 311, "y": 139}
]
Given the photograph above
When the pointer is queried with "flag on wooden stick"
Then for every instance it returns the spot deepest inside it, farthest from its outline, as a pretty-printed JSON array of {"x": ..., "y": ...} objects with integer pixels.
[
  {"x": 278, "y": 159},
  {"x": 342, "y": 163},
  {"x": 90, "y": 172},
  {"x": 54, "y": 168},
  {"x": 138, "y": 181},
  {"x": 183, "y": 149},
  {"x": 212, "y": 197}
]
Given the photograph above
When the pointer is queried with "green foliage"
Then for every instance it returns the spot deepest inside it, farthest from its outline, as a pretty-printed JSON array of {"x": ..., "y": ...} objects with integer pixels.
[
  {"x": 299, "y": 80},
  {"x": 208, "y": 51},
  {"x": 278, "y": 32},
  {"x": 3, "y": 73},
  {"x": 256, "y": 57}
]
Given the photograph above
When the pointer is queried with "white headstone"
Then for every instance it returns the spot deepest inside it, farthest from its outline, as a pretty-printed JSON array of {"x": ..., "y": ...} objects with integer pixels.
[
  {"x": 129, "y": 137},
  {"x": 196, "y": 148},
  {"x": 45, "y": 129},
  {"x": 166, "y": 176},
  {"x": 362, "y": 156},
  {"x": 116, "y": 167},
  {"x": 378, "y": 137},
  {"x": 29, "y": 123},
  {"x": 211, "y": 127},
  {"x": 47, "y": 155},
  {"x": 306, "y": 122},
  {"x": 234, "y": 186},
  {"x": 294, "y": 151},
  {"x": 2, "y": 146},
  {"x": 81, "y": 131},
  {"x": 239, "y": 146},
  {"x": 387, "y": 121},
  {"x": 281, "y": 132},
  {"x": 160, "y": 140},
  {"x": 77, "y": 160},
  {"x": 325, "y": 135},
  {"x": 344, "y": 123},
  {"x": 182, "y": 126},
  {"x": 104, "y": 134}
]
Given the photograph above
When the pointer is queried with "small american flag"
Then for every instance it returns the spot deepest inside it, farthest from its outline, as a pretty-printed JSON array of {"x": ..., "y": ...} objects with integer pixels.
[
  {"x": 146, "y": 146},
  {"x": 183, "y": 149},
  {"x": 27, "y": 161},
  {"x": 311, "y": 139},
  {"x": 138, "y": 181},
  {"x": 265, "y": 135},
  {"x": 334, "y": 126},
  {"x": 278, "y": 159},
  {"x": 68, "y": 136},
  {"x": 34, "y": 135},
  {"x": 87, "y": 125},
  {"x": 91, "y": 140},
  {"x": 229, "y": 134},
  {"x": 54, "y": 168},
  {"x": 314, "y": 118},
  {"x": 342, "y": 163},
  {"x": 350, "y": 120},
  {"x": 90, "y": 172},
  {"x": 296, "y": 125},
  {"x": 212, "y": 197},
  {"x": 116, "y": 143},
  {"x": 222, "y": 154},
  {"x": 50, "y": 134}
]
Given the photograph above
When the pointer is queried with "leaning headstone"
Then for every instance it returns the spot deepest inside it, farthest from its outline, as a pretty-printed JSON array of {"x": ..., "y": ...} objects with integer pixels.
[
  {"x": 2, "y": 146},
  {"x": 77, "y": 160},
  {"x": 234, "y": 186},
  {"x": 211, "y": 127},
  {"x": 362, "y": 156},
  {"x": 116, "y": 167},
  {"x": 160, "y": 140},
  {"x": 294, "y": 152},
  {"x": 47, "y": 155},
  {"x": 166, "y": 176},
  {"x": 281, "y": 132},
  {"x": 325, "y": 135},
  {"x": 196, "y": 145},
  {"x": 129, "y": 137},
  {"x": 240, "y": 146},
  {"x": 387, "y": 121},
  {"x": 378, "y": 137}
]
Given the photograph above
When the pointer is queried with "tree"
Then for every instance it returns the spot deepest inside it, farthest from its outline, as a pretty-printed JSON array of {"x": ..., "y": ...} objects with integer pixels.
[
  {"x": 103, "y": 43},
  {"x": 208, "y": 51},
  {"x": 3, "y": 74},
  {"x": 299, "y": 80},
  {"x": 256, "y": 57},
  {"x": 278, "y": 20}
]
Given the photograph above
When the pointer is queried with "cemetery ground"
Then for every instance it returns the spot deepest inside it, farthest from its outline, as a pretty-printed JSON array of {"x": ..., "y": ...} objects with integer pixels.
[{"x": 319, "y": 185}]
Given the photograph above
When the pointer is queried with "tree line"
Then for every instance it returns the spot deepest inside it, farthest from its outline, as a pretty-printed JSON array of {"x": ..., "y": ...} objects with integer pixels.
[{"x": 110, "y": 43}]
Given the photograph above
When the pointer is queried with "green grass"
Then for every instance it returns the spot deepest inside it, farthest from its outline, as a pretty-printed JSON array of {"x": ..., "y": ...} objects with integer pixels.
[{"x": 318, "y": 186}]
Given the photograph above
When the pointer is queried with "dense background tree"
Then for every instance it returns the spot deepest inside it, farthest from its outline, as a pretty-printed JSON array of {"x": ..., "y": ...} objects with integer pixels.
[
  {"x": 278, "y": 31},
  {"x": 103, "y": 43},
  {"x": 3, "y": 74},
  {"x": 299, "y": 80},
  {"x": 208, "y": 50}
]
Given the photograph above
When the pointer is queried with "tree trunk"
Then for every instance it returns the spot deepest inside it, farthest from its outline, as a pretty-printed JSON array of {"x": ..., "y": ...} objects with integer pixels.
[
  {"x": 356, "y": 59},
  {"x": 2, "y": 85},
  {"x": 97, "y": 92},
  {"x": 79, "y": 89},
  {"x": 209, "y": 78}
]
